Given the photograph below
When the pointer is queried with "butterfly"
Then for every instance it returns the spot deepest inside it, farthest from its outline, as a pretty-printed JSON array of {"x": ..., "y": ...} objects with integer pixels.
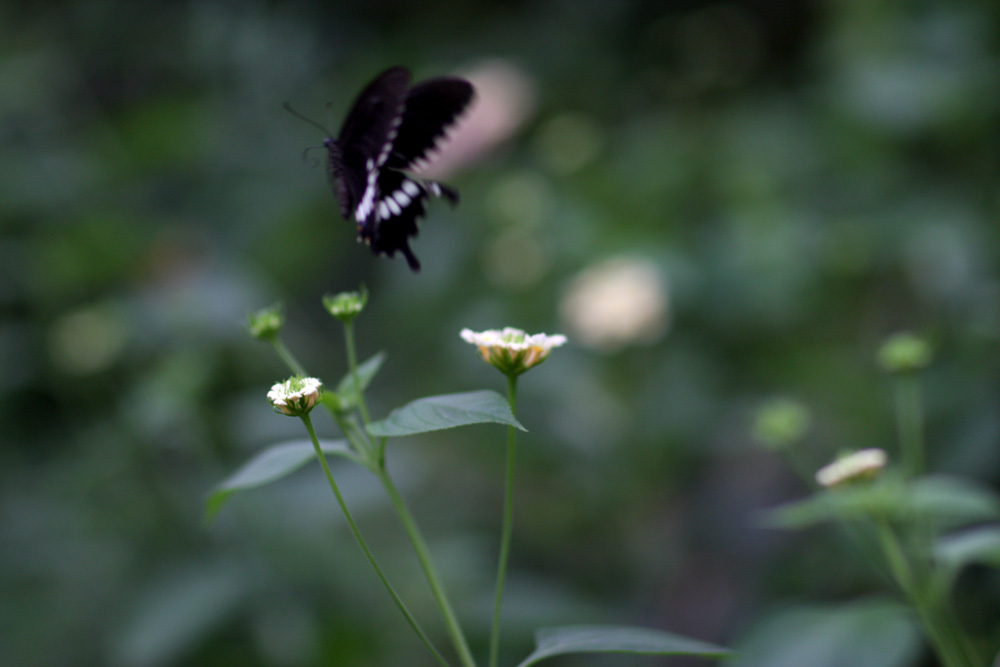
[{"x": 393, "y": 128}]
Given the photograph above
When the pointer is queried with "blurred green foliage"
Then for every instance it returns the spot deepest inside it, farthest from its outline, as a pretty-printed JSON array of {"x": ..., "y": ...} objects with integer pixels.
[{"x": 808, "y": 177}]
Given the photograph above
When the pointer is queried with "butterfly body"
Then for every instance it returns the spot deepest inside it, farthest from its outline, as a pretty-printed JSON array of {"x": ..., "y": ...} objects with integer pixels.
[{"x": 391, "y": 130}]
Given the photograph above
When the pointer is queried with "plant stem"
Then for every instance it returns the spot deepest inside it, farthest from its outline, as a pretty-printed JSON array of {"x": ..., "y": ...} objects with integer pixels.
[
  {"x": 288, "y": 358},
  {"x": 423, "y": 554},
  {"x": 909, "y": 423},
  {"x": 508, "y": 521},
  {"x": 352, "y": 364},
  {"x": 944, "y": 639},
  {"x": 364, "y": 545}
]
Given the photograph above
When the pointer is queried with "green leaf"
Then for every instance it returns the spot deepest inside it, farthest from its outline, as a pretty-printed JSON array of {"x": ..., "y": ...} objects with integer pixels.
[
  {"x": 869, "y": 633},
  {"x": 953, "y": 501},
  {"x": 979, "y": 545},
  {"x": 269, "y": 465},
  {"x": 885, "y": 497},
  {"x": 550, "y": 642},
  {"x": 446, "y": 411},
  {"x": 366, "y": 373},
  {"x": 947, "y": 501}
]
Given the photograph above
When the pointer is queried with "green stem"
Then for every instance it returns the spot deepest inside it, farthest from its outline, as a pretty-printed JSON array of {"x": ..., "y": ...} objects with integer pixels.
[
  {"x": 423, "y": 555},
  {"x": 287, "y": 357},
  {"x": 508, "y": 521},
  {"x": 942, "y": 638},
  {"x": 364, "y": 545},
  {"x": 909, "y": 424},
  {"x": 352, "y": 364}
]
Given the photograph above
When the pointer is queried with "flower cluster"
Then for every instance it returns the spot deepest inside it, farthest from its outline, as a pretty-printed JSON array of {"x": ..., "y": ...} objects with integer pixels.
[
  {"x": 295, "y": 396},
  {"x": 859, "y": 465},
  {"x": 511, "y": 350}
]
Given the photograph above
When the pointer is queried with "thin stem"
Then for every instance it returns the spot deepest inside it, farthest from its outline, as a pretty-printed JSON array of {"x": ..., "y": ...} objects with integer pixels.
[
  {"x": 909, "y": 423},
  {"x": 287, "y": 357},
  {"x": 364, "y": 545},
  {"x": 352, "y": 364},
  {"x": 423, "y": 555},
  {"x": 942, "y": 640},
  {"x": 508, "y": 521}
]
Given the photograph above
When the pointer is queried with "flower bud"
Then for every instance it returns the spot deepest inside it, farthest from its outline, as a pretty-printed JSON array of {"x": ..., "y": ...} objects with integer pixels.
[
  {"x": 265, "y": 324},
  {"x": 346, "y": 305},
  {"x": 511, "y": 350},
  {"x": 781, "y": 423},
  {"x": 905, "y": 353},
  {"x": 295, "y": 396},
  {"x": 860, "y": 465}
]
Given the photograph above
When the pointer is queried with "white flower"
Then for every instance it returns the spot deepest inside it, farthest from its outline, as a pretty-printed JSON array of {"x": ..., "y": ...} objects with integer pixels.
[
  {"x": 620, "y": 301},
  {"x": 295, "y": 396},
  {"x": 862, "y": 464},
  {"x": 512, "y": 350}
]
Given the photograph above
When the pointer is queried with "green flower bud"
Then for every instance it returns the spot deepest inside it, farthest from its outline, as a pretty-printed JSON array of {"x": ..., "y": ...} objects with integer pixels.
[
  {"x": 346, "y": 305},
  {"x": 781, "y": 423},
  {"x": 265, "y": 324},
  {"x": 905, "y": 353}
]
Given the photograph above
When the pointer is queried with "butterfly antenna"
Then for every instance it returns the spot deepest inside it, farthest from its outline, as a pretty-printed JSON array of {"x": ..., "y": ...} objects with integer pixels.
[{"x": 289, "y": 109}]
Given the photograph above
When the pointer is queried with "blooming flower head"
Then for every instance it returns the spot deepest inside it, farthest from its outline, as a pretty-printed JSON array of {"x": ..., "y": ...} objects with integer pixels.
[
  {"x": 511, "y": 350},
  {"x": 859, "y": 465},
  {"x": 295, "y": 396}
]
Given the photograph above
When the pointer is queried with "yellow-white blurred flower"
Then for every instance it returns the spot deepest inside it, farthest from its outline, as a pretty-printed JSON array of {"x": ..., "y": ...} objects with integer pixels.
[
  {"x": 512, "y": 350},
  {"x": 862, "y": 464},
  {"x": 295, "y": 396},
  {"x": 615, "y": 303}
]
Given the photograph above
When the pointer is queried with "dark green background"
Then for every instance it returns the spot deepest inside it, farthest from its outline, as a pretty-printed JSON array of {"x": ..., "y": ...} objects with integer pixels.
[{"x": 809, "y": 177}]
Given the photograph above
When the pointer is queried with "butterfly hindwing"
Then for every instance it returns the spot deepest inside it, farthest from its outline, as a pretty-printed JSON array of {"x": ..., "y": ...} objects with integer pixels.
[{"x": 401, "y": 202}]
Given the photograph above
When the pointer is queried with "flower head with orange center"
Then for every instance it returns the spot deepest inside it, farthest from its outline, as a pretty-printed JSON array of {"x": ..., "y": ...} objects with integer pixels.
[{"x": 511, "y": 350}]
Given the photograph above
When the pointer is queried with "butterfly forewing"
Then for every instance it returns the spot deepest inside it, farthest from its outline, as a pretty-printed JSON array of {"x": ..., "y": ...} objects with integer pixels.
[
  {"x": 366, "y": 139},
  {"x": 432, "y": 108}
]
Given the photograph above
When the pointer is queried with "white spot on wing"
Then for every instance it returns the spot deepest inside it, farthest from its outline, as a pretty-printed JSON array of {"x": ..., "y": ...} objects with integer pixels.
[
  {"x": 401, "y": 199},
  {"x": 383, "y": 211},
  {"x": 393, "y": 206},
  {"x": 411, "y": 188}
]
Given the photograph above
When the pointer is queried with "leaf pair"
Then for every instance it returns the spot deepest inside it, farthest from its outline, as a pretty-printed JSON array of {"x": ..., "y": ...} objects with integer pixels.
[{"x": 421, "y": 416}]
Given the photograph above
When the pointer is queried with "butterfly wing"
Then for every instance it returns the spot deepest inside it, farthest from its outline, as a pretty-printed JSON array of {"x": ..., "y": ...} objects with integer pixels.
[
  {"x": 401, "y": 202},
  {"x": 365, "y": 140},
  {"x": 432, "y": 108}
]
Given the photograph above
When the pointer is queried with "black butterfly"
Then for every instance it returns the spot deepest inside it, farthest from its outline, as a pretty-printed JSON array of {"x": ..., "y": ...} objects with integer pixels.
[{"x": 393, "y": 128}]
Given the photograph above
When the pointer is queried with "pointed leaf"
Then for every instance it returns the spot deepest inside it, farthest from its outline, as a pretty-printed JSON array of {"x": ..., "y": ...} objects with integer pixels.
[
  {"x": 446, "y": 411},
  {"x": 979, "y": 545},
  {"x": 947, "y": 501},
  {"x": 550, "y": 642},
  {"x": 269, "y": 465},
  {"x": 954, "y": 501},
  {"x": 868, "y": 633},
  {"x": 366, "y": 373}
]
